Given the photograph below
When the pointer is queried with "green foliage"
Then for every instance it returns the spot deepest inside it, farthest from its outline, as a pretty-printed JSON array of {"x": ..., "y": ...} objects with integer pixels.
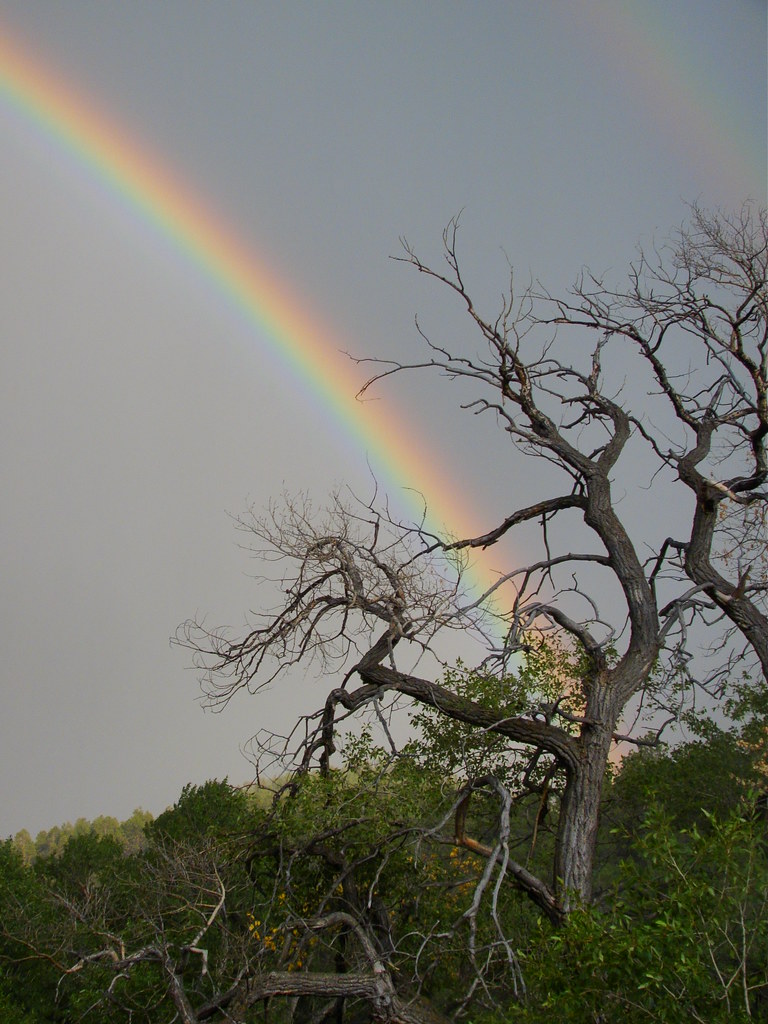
[
  {"x": 373, "y": 841},
  {"x": 49, "y": 843},
  {"x": 85, "y": 859},
  {"x": 27, "y": 983},
  {"x": 683, "y": 937},
  {"x": 548, "y": 673},
  {"x": 681, "y": 934},
  {"x": 11, "y": 1012},
  {"x": 673, "y": 778},
  {"x": 93, "y": 896},
  {"x": 213, "y": 809},
  {"x": 679, "y": 931}
]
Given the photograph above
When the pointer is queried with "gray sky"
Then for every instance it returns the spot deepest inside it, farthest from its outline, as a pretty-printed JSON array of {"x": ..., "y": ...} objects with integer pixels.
[{"x": 137, "y": 408}]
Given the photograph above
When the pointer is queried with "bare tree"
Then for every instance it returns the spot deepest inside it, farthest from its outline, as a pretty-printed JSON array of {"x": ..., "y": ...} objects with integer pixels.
[{"x": 669, "y": 374}]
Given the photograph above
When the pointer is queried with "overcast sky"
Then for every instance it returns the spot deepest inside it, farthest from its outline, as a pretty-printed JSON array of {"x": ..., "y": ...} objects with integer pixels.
[{"x": 138, "y": 409}]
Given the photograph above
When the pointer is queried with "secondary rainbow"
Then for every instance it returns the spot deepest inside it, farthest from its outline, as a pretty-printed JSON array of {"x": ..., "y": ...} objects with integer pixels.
[
  {"x": 292, "y": 334},
  {"x": 669, "y": 81}
]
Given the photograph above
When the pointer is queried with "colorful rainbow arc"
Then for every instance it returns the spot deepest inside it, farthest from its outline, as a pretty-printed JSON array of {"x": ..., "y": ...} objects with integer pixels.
[{"x": 293, "y": 335}]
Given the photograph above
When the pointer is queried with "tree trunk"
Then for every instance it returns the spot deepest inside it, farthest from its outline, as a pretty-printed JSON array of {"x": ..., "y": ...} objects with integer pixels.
[
  {"x": 580, "y": 807},
  {"x": 375, "y": 987}
]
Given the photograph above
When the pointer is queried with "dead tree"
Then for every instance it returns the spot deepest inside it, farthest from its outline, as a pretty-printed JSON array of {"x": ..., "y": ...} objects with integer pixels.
[{"x": 665, "y": 379}]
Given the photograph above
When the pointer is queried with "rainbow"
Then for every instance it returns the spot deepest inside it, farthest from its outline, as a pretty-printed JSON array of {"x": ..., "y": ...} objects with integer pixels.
[
  {"x": 669, "y": 82},
  {"x": 293, "y": 335}
]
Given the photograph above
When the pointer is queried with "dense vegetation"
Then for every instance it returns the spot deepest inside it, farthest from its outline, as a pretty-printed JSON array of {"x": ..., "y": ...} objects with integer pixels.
[
  {"x": 50, "y": 842},
  {"x": 223, "y": 882}
]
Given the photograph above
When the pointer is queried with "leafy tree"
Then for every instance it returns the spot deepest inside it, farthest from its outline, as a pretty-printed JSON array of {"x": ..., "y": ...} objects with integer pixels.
[
  {"x": 132, "y": 831},
  {"x": 685, "y": 936},
  {"x": 132, "y": 937},
  {"x": 27, "y": 979},
  {"x": 10, "y": 1011},
  {"x": 343, "y": 867},
  {"x": 129, "y": 834},
  {"x": 213, "y": 809},
  {"x": 25, "y": 844}
]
